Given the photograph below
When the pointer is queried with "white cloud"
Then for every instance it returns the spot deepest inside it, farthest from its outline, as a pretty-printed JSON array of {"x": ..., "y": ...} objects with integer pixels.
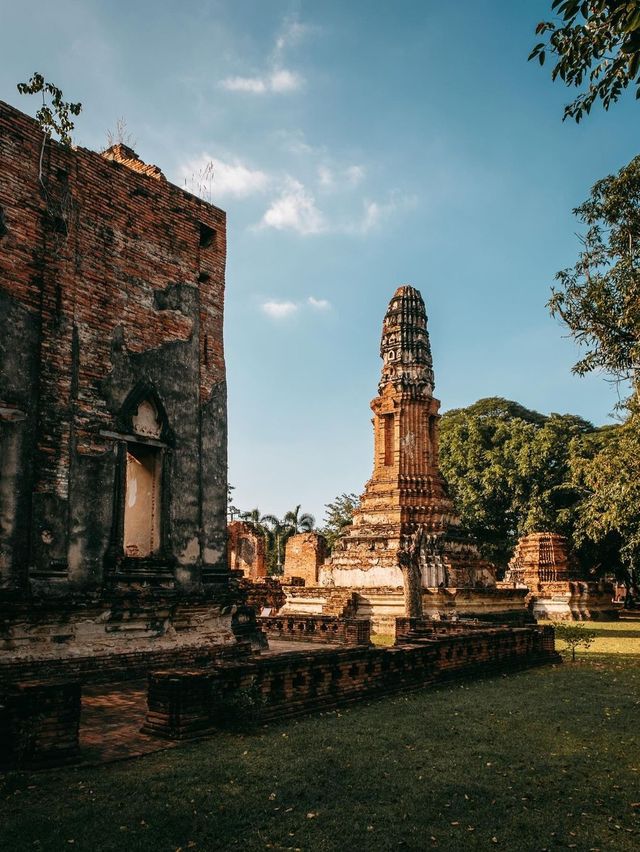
[
  {"x": 280, "y": 80},
  {"x": 255, "y": 85},
  {"x": 283, "y": 80},
  {"x": 329, "y": 178},
  {"x": 234, "y": 178},
  {"x": 294, "y": 142},
  {"x": 325, "y": 176},
  {"x": 318, "y": 304},
  {"x": 279, "y": 310},
  {"x": 294, "y": 210},
  {"x": 291, "y": 34}
]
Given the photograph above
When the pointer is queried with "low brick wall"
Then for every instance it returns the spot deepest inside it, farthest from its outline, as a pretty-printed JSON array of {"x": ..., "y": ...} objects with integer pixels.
[
  {"x": 184, "y": 704},
  {"x": 39, "y": 724},
  {"x": 318, "y": 628},
  {"x": 106, "y": 667}
]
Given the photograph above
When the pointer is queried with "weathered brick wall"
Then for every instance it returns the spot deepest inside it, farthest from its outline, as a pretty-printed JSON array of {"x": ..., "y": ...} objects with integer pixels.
[
  {"x": 266, "y": 593},
  {"x": 304, "y": 554},
  {"x": 39, "y": 724},
  {"x": 246, "y": 550},
  {"x": 186, "y": 703},
  {"x": 111, "y": 285},
  {"x": 317, "y": 628},
  {"x": 110, "y": 666}
]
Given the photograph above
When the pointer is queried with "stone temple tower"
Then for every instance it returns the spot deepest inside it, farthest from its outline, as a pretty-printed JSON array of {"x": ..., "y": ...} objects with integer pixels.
[{"x": 405, "y": 507}]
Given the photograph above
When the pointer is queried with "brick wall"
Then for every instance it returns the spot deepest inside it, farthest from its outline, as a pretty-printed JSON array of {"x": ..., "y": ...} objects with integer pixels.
[
  {"x": 304, "y": 554},
  {"x": 187, "y": 703},
  {"x": 111, "y": 290},
  {"x": 246, "y": 550},
  {"x": 317, "y": 628}
]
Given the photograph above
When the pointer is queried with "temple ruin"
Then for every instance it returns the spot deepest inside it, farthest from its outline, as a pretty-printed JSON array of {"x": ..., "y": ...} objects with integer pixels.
[
  {"x": 406, "y": 551},
  {"x": 113, "y": 425},
  {"x": 544, "y": 565},
  {"x": 246, "y": 550}
]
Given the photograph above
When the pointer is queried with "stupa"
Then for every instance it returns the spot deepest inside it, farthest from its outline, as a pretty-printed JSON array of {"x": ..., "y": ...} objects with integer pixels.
[{"x": 406, "y": 517}]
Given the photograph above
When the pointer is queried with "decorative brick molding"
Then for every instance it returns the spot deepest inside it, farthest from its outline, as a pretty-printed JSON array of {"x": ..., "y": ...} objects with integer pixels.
[{"x": 318, "y": 628}]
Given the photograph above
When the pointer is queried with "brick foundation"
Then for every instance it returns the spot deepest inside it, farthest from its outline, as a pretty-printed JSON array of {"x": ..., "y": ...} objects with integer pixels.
[{"x": 184, "y": 704}]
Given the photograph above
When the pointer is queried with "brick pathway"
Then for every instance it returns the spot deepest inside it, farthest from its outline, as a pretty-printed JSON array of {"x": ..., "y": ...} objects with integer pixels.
[{"x": 112, "y": 715}]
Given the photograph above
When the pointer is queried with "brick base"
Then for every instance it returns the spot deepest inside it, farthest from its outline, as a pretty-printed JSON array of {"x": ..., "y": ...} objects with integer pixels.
[{"x": 184, "y": 704}]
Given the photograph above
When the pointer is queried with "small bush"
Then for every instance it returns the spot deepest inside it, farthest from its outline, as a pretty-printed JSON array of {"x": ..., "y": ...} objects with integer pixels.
[{"x": 574, "y": 635}]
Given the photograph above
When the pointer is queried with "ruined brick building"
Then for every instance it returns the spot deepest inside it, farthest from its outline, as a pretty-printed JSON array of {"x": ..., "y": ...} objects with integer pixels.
[
  {"x": 246, "y": 550},
  {"x": 113, "y": 424},
  {"x": 544, "y": 564}
]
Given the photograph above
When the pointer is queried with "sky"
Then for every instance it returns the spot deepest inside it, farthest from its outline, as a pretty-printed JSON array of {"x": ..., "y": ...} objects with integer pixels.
[{"x": 356, "y": 146}]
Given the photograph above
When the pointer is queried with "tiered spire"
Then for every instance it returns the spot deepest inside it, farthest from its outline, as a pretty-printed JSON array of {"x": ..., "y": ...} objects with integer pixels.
[{"x": 404, "y": 347}]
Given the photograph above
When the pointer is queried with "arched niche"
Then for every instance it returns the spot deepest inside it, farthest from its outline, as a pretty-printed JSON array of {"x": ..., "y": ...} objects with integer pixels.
[{"x": 141, "y": 503}]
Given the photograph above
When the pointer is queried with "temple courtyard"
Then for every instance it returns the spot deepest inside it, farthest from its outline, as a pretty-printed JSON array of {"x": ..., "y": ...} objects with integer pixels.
[{"x": 547, "y": 758}]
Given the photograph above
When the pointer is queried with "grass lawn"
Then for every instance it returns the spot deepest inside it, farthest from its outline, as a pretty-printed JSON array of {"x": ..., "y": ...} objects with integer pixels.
[
  {"x": 614, "y": 637},
  {"x": 545, "y": 759}
]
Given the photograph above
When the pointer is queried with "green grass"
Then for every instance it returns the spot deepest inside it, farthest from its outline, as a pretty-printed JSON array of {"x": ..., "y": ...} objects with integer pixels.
[
  {"x": 614, "y": 637},
  {"x": 544, "y": 759}
]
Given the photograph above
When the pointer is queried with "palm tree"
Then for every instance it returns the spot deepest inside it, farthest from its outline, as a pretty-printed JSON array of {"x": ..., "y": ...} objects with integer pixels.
[
  {"x": 299, "y": 523},
  {"x": 255, "y": 518},
  {"x": 277, "y": 531},
  {"x": 277, "y": 534}
]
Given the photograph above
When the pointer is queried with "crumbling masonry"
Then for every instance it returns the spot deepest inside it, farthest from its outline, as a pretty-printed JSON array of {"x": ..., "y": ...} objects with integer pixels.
[{"x": 112, "y": 397}]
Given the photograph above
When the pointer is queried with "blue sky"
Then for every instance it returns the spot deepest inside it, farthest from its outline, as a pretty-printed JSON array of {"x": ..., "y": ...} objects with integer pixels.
[{"x": 355, "y": 146}]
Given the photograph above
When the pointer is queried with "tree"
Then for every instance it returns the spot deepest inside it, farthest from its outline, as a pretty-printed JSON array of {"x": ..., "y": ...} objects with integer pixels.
[
  {"x": 608, "y": 476},
  {"x": 277, "y": 533},
  {"x": 52, "y": 117},
  {"x": 599, "y": 298},
  {"x": 232, "y": 510},
  {"x": 297, "y": 522},
  {"x": 508, "y": 469},
  {"x": 574, "y": 635},
  {"x": 596, "y": 42},
  {"x": 338, "y": 517}
]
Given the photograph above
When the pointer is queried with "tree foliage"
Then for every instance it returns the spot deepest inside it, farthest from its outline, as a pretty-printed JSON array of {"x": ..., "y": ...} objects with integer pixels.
[
  {"x": 338, "y": 517},
  {"x": 595, "y": 43},
  {"x": 53, "y": 116},
  {"x": 298, "y": 523},
  {"x": 599, "y": 298},
  {"x": 276, "y": 531},
  {"x": 607, "y": 474},
  {"x": 508, "y": 469}
]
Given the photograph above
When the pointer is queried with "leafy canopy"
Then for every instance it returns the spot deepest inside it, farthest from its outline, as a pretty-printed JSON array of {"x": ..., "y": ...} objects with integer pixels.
[
  {"x": 53, "y": 117},
  {"x": 609, "y": 481},
  {"x": 594, "y": 42},
  {"x": 508, "y": 469},
  {"x": 599, "y": 297}
]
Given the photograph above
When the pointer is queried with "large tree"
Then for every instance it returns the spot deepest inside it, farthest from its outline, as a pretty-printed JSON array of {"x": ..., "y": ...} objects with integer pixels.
[
  {"x": 596, "y": 44},
  {"x": 508, "y": 469},
  {"x": 599, "y": 297}
]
